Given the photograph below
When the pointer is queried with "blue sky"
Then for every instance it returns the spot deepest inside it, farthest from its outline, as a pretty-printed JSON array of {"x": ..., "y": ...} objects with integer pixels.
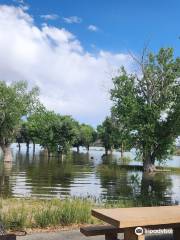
[
  {"x": 122, "y": 24},
  {"x": 90, "y": 38}
]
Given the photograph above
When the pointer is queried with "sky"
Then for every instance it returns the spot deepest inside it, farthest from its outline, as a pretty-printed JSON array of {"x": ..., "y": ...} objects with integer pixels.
[{"x": 71, "y": 49}]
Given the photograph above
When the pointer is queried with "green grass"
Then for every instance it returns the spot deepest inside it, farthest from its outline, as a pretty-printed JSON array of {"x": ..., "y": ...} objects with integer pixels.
[
  {"x": 29, "y": 213},
  {"x": 33, "y": 213},
  {"x": 21, "y": 214}
]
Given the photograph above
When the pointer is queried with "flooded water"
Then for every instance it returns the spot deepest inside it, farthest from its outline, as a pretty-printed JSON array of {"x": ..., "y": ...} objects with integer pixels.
[{"x": 86, "y": 175}]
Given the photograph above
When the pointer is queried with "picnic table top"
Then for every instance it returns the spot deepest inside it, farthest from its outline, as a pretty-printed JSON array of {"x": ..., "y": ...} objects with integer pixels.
[{"x": 139, "y": 216}]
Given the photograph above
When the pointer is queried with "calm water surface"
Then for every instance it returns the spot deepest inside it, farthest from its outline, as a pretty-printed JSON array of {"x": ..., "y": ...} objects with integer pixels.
[{"x": 86, "y": 174}]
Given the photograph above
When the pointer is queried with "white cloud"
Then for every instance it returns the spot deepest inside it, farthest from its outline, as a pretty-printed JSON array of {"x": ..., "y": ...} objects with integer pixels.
[
  {"x": 50, "y": 16},
  {"x": 71, "y": 79},
  {"x": 22, "y": 4},
  {"x": 72, "y": 19},
  {"x": 19, "y": 1},
  {"x": 93, "y": 28}
]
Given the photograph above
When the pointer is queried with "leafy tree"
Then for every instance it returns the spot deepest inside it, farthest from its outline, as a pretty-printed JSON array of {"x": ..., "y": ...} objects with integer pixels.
[
  {"x": 87, "y": 135},
  {"x": 77, "y": 135},
  {"x": 52, "y": 131},
  {"x": 16, "y": 101},
  {"x": 106, "y": 133},
  {"x": 84, "y": 135},
  {"x": 19, "y": 138},
  {"x": 148, "y": 105},
  {"x": 41, "y": 128},
  {"x": 33, "y": 125},
  {"x": 25, "y": 134},
  {"x": 64, "y": 134}
]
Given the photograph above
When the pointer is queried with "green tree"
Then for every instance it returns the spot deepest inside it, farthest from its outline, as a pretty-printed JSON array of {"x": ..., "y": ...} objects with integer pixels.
[
  {"x": 106, "y": 134},
  {"x": 52, "y": 131},
  {"x": 77, "y": 135},
  {"x": 148, "y": 105},
  {"x": 25, "y": 134},
  {"x": 41, "y": 125},
  {"x": 16, "y": 101},
  {"x": 33, "y": 125},
  {"x": 87, "y": 135},
  {"x": 19, "y": 137},
  {"x": 64, "y": 135}
]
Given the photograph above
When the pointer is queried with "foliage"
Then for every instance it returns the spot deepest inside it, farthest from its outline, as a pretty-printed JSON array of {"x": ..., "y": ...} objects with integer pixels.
[
  {"x": 106, "y": 133},
  {"x": 87, "y": 135},
  {"x": 148, "y": 104},
  {"x": 77, "y": 135},
  {"x": 16, "y": 101},
  {"x": 52, "y": 131},
  {"x": 113, "y": 135},
  {"x": 63, "y": 131}
]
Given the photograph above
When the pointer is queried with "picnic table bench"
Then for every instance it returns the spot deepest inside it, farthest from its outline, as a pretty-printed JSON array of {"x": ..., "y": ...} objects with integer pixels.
[{"x": 127, "y": 220}]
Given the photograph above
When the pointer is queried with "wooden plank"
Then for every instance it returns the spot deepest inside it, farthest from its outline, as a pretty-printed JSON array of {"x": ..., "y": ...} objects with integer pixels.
[
  {"x": 8, "y": 237},
  {"x": 99, "y": 230},
  {"x": 139, "y": 216},
  {"x": 111, "y": 236},
  {"x": 129, "y": 234},
  {"x": 176, "y": 233}
]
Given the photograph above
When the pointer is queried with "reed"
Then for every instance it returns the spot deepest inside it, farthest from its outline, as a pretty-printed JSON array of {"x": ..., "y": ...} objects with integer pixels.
[
  {"x": 19, "y": 214},
  {"x": 33, "y": 213}
]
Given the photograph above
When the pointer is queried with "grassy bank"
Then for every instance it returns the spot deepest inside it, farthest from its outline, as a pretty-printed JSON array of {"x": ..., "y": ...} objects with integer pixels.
[
  {"x": 32, "y": 213},
  {"x": 114, "y": 169},
  {"x": 29, "y": 213}
]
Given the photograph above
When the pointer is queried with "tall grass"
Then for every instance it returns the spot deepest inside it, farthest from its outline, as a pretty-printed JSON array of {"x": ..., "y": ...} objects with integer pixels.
[
  {"x": 16, "y": 213},
  {"x": 26, "y": 213}
]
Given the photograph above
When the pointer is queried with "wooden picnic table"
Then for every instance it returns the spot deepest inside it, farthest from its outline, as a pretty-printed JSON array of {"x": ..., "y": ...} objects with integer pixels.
[{"x": 147, "y": 217}]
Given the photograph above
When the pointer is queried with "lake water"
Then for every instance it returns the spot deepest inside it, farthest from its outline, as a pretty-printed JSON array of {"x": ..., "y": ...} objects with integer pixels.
[{"x": 86, "y": 175}]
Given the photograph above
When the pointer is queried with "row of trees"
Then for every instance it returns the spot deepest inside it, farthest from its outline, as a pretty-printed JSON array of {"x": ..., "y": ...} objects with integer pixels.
[
  {"x": 25, "y": 120},
  {"x": 145, "y": 114},
  {"x": 54, "y": 132}
]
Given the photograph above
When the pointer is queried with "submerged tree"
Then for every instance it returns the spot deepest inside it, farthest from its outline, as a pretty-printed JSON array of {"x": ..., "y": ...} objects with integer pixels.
[
  {"x": 25, "y": 134},
  {"x": 106, "y": 133},
  {"x": 84, "y": 135},
  {"x": 64, "y": 134},
  {"x": 87, "y": 135},
  {"x": 148, "y": 105},
  {"x": 40, "y": 125},
  {"x": 77, "y": 135},
  {"x": 113, "y": 135},
  {"x": 52, "y": 131},
  {"x": 16, "y": 101}
]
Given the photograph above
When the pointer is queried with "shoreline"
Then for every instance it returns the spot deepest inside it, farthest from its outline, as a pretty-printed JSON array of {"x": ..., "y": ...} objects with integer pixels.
[{"x": 37, "y": 215}]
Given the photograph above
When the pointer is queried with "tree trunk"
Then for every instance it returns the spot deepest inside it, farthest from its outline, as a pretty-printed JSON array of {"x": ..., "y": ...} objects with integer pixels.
[
  {"x": 78, "y": 149},
  {"x": 7, "y": 153},
  {"x": 27, "y": 146},
  {"x": 49, "y": 153},
  {"x": 148, "y": 163},
  {"x": 87, "y": 148},
  {"x": 19, "y": 147},
  {"x": 122, "y": 150},
  {"x": 106, "y": 151},
  {"x": 34, "y": 148},
  {"x": 61, "y": 157}
]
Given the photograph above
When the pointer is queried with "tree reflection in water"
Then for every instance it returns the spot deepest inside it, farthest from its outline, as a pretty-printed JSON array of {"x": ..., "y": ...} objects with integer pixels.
[
  {"x": 86, "y": 174},
  {"x": 135, "y": 187}
]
